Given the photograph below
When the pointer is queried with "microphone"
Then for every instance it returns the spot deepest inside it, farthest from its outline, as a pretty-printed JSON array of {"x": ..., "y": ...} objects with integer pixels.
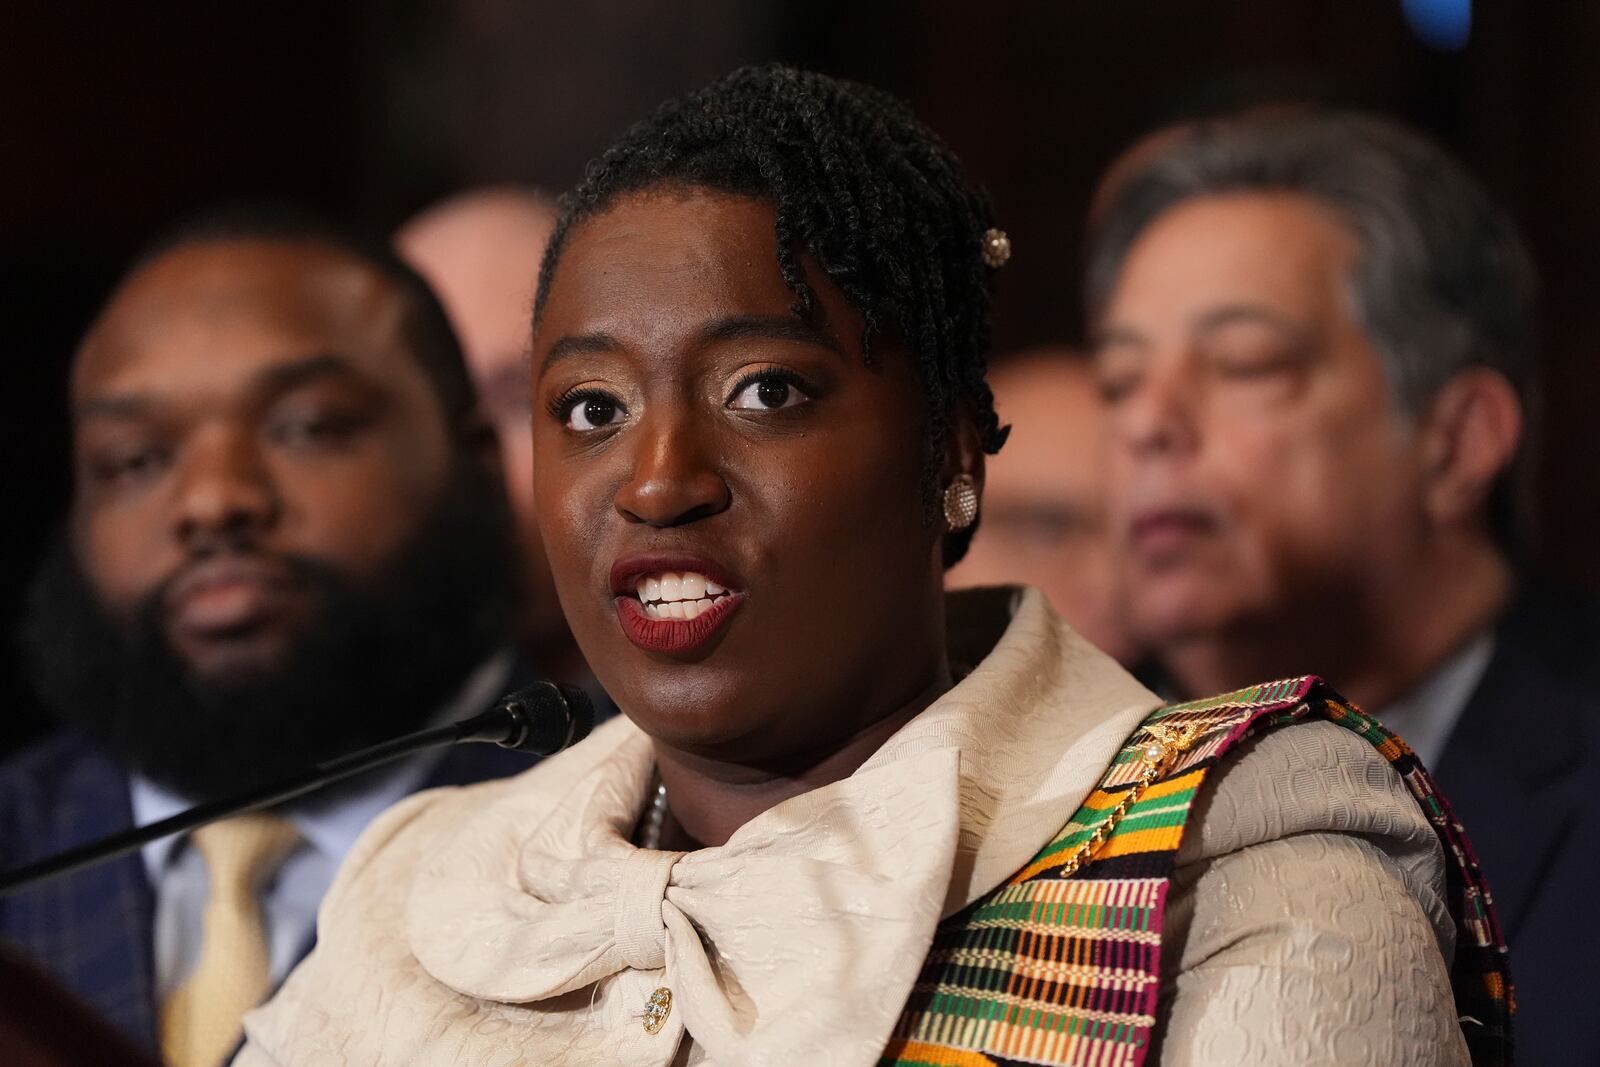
[{"x": 542, "y": 718}]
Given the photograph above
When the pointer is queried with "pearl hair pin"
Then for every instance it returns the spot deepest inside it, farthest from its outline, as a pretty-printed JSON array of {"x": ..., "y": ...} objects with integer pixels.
[{"x": 996, "y": 248}]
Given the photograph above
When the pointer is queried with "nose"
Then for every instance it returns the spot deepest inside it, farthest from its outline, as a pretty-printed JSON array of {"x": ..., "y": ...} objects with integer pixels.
[
  {"x": 674, "y": 478},
  {"x": 225, "y": 490},
  {"x": 1159, "y": 416}
]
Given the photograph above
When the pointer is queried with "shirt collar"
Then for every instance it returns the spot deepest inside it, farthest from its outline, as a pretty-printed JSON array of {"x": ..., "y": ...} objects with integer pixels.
[
  {"x": 330, "y": 828},
  {"x": 1426, "y": 716}
]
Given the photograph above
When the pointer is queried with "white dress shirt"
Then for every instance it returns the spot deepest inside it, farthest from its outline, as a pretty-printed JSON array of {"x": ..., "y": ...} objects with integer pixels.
[
  {"x": 289, "y": 900},
  {"x": 1427, "y": 716}
]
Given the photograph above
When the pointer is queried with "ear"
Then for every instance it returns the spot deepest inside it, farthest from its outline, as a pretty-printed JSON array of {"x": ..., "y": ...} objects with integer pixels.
[
  {"x": 963, "y": 453},
  {"x": 1470, "y": 437}
]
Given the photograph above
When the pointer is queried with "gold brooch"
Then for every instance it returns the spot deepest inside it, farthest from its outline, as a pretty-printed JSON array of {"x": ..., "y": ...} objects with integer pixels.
[
  {"x": 1166, "y": 742},
  {"x": 996, "y": 247},
  {"x": 656, "y": 1010}
]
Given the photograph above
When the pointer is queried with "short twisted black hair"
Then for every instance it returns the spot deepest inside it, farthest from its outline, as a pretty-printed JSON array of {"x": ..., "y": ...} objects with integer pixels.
[{"x": 857, "y": 182}]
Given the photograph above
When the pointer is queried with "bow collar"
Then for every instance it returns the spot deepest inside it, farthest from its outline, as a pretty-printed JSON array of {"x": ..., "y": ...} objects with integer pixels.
[{"x": 799, "y": 939}]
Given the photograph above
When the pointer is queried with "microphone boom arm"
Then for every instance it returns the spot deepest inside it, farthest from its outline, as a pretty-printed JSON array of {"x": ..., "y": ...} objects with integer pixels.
[{"x": 512, "y": 723}]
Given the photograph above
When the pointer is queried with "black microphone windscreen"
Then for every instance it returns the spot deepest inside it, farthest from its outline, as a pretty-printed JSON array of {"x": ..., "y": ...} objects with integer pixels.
[{"x": 553, "y": 715}]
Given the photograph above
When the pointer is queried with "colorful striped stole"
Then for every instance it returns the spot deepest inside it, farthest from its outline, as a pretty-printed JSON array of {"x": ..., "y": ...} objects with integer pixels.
[{"x": 1062, "y": 965}]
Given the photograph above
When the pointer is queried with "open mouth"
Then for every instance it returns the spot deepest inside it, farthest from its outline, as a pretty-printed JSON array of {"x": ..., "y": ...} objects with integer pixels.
[
  {"x": 673, "y": 602},
  {"x": 680, "y": 596}
]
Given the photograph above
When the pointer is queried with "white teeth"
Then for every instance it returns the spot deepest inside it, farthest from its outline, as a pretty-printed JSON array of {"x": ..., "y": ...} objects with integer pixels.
[
  {"x": 670, "y": 586},
  {"x": 672, "y": 595}
]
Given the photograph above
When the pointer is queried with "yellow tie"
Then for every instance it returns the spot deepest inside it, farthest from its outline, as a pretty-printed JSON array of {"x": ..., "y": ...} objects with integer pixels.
[{"x": 200, "y": 1021}]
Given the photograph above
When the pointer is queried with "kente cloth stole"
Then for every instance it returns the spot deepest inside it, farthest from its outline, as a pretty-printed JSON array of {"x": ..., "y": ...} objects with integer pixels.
[{"x": 1062, "y": 965}]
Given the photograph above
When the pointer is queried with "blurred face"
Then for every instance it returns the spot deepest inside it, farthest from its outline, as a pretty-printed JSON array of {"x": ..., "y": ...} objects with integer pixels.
[
  {"x": 238, "y": 406},
  {"x": 730, "y": 496},
  {"x": 482, "y": 258},
  {"x": 1045, "y": 520},
  {"x": 1258, "y": 462}
]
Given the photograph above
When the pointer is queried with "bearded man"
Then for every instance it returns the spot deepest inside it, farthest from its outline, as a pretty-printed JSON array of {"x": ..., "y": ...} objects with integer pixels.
[{"x": 288, "y": 539}]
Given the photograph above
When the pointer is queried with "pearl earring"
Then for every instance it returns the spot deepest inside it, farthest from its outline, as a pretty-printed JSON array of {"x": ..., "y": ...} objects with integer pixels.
[{"x": 960, "y": 502}]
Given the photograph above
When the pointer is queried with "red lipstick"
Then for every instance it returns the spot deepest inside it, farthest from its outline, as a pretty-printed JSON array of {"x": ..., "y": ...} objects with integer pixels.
[
  {"x": 674, "y": 635},
  {"x": 666, "y": 635}
]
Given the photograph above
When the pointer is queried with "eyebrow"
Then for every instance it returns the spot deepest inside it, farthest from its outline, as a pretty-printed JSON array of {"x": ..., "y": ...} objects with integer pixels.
[
  {"x": 577, "y": 345},
  {"x": 732, "y": 328},
  {"x": 1115, "y": 335},
  {"x": 1214, "y": 319},
  {"x": 116, "y": 406},
  {"x": 771, "y": 328},
  {"x": 278, "y": 378},
  {"x": 1229, "y": 314},
  {"x": 285, "y": 376}
]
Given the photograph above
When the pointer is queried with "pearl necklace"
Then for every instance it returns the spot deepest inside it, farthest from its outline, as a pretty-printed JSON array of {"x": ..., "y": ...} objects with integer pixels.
[{"x": 649, "y": 832}]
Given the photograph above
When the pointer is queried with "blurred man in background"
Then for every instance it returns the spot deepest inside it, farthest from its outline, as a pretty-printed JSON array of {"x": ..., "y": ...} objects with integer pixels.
[
  {"x": 480, "y": 251},
  {"x": 1315, "y": 336},
  {"x": 1045, "y": 522},
  {"x": 288, "y": 540}
]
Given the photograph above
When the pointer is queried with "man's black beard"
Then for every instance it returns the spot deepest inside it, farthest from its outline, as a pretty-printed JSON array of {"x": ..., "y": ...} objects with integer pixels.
[{"x": 380, "y": 659}]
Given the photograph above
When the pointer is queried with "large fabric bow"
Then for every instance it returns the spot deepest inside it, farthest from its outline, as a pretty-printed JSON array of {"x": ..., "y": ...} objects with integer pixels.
[
  {"x": 796, "y": 942},
  {"x": 799, "y": 940}
]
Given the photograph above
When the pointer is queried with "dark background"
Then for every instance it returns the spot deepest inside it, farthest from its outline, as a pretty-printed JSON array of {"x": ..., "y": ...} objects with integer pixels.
[{"x": 116, "y": 118}]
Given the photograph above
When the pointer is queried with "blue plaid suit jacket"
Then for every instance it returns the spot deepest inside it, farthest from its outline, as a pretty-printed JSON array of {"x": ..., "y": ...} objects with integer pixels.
[{"x": 92, "y": 929}]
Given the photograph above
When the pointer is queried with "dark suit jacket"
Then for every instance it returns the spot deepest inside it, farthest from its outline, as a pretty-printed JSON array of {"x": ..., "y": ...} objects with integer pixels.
[
  {"x": 1522, "y": 770},
  {"x": 92, "y": 929}
]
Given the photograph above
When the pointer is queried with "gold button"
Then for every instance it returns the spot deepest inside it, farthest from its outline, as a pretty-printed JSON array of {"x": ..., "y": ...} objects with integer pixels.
[{"x": 656, "y": 1010}]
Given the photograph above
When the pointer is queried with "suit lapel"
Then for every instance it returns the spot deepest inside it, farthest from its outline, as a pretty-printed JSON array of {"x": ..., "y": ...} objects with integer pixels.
[
  {"x": 1507, "y": 770},
  {"x": 91, "y": 928}
]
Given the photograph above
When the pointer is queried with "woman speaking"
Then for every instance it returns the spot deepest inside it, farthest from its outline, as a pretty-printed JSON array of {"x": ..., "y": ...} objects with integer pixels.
[{"x": 848, "y": 819}]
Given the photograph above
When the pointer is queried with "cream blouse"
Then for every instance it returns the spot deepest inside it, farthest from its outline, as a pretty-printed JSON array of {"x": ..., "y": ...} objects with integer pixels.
[{"x": 514, "y": 923}]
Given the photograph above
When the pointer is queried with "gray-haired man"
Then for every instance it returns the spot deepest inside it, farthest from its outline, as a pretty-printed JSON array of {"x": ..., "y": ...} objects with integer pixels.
[{"x": 1315, "y": 332}]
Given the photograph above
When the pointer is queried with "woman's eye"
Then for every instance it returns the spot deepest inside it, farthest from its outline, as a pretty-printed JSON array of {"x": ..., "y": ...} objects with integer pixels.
[
  {"x": 768, "y": 392},
  {"x": 593, "y": 412}
]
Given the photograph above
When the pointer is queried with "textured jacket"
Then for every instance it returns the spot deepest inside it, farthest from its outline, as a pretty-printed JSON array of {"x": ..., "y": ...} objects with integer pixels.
[{"x": 1308, "y": 917}]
